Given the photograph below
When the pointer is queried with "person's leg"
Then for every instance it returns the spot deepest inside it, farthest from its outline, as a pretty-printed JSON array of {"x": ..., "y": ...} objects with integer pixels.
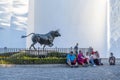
[
  {"x": 96, "y": 61},
  {"x": 80, "y": 62},
  {"x": 69, "y": 63},
  {"x": 74, "y": 63},
  {"x": 83, "y": 62},
  {"x": 111, "y": 62},
  {"x": 86, "y": 61},
  {"x": 92, "y": 61},
  {"x": 99, "y": 60}
]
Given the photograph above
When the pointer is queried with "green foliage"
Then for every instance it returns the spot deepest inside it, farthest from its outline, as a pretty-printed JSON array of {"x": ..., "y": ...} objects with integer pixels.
[
  {"x": 4, "y": 61},
  {"x": 21, "y": 55},
  {"x": 25, "y": 58},
  {"x": 34, "y": 61}
]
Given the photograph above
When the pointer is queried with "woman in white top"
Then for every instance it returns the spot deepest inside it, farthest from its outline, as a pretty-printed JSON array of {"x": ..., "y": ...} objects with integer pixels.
[
  {"x": 90, "y": 59},
  {"x": 96, "y": 58}
]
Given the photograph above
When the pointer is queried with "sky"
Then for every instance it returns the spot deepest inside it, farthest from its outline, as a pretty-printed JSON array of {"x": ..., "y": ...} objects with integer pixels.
[
  {"x": 13, "y": 14},
  {"x": 13, "y": 23}
]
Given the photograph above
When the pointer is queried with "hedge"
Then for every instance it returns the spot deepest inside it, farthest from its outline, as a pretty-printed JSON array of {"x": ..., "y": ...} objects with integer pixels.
[
  {"x": 25, "y": 58},
  {"x": 33, "y": 61}
]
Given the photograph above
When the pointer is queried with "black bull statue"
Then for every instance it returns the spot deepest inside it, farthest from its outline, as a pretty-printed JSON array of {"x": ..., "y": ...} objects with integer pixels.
[{"x": 43, "y": 39}]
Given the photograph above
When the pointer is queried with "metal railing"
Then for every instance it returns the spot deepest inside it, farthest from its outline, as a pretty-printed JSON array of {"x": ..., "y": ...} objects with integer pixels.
[{"x": 40, "y": 51}]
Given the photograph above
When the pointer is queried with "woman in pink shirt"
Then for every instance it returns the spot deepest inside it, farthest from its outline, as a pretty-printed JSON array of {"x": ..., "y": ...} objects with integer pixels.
[{"x": 81, "y": 58}]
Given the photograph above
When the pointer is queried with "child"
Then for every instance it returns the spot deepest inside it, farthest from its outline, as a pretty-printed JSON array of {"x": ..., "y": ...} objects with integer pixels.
[{"x": 111, "y": 59}]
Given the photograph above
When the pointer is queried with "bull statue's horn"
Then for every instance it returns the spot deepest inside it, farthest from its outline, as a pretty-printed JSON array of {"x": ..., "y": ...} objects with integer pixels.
[{"x": 23, "y": 36}]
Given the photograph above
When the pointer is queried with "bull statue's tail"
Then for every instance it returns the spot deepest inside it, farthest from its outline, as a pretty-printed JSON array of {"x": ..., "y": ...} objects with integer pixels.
[{"x": 27, "y": 35}]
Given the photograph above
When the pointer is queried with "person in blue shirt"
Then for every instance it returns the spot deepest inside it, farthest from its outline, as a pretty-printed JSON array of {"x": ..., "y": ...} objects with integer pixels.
[{"x": 71, "y": 59}]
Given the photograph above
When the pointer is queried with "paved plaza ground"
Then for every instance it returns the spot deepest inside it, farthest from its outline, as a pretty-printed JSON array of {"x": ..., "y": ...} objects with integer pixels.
[{"x": 59, "y": 72}]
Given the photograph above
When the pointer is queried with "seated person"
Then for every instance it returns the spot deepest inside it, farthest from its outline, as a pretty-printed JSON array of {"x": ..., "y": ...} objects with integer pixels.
[
  {"x": 111, "y": 59},
  {"x": 90, "y": 59},
  {"x": 96, "y": 58},
  {"x": 81, "y": 59},
  {"x": 71, "y": 59}
]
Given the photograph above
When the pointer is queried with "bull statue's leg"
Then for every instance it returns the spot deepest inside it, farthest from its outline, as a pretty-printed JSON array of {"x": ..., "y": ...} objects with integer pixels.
[
  {"x": 44, "y": 47},
  {"x": 51, "y": 45},
  {"x": 51, "y": 40},
  {"x": 32, "y": 45}
]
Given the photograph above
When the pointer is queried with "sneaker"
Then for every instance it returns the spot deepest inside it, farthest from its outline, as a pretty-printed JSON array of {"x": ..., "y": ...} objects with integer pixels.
[{"x": 94, "y": 65}]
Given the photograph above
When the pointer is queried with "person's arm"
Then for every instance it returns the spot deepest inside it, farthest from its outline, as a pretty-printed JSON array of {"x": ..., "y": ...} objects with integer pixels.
[
  {"x": 83, "y": 56},
  {"x": 68, "y": 59}
]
